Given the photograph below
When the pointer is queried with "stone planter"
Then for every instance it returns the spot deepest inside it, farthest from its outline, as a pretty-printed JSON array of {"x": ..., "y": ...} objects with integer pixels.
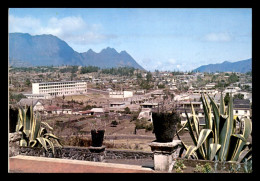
[
  {"x": 97, "y": 137},
  {"x": 164, "y": 126},
  {"x": 220, "y": 165}
]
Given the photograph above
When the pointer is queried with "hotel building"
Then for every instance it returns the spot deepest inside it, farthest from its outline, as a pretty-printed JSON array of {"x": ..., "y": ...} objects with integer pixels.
[{"x": 60, "y": 88}]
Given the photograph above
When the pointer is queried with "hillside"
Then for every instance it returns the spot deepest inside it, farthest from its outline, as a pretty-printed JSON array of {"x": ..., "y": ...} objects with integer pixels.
[
  {"x": 42, "y": 50},
  {"x": 242, "y": 66}
]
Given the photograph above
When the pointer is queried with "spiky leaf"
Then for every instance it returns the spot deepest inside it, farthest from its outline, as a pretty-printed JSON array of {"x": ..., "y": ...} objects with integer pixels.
[{"x": 213, "y": 150}]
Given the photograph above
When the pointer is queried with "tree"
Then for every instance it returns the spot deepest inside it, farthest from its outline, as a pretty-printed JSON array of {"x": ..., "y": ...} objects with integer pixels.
[
  {"x": 149, "y": 77},
  {"x": 226, "y": 99},
  {"x": 127, "y": 110},
  {"x": 239, "y": 96},
  {"x": 27, "y": 82}
]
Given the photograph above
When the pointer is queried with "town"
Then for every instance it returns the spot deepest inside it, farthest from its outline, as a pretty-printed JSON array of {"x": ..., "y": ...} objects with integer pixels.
[{"x": 76, "y": 99}]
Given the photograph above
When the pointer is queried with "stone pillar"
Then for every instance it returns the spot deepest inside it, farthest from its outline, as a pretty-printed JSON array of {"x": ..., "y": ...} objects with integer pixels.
[
  {"x": 97, "y": 153},
  {"x": 14, "y": 139},
  {"x": 164, "y": 154}
]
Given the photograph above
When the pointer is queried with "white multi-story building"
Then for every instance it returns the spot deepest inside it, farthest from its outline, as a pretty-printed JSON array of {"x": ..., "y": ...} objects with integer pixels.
[
  {"x": 120, "y": 94},
  {"x": 60, "y": 88}
]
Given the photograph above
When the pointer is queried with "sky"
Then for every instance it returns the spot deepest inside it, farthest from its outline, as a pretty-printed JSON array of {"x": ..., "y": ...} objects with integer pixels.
[{"x": 165, "y": 39}]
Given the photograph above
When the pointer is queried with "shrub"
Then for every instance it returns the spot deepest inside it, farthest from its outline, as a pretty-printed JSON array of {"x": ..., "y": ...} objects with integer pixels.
[
  {"x": 179, "y": 166},
  {"x": 203, "y": 168}
]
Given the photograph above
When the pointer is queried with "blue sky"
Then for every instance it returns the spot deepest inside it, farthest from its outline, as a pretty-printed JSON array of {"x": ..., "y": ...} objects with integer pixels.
[{"x": 164, "y": 39}]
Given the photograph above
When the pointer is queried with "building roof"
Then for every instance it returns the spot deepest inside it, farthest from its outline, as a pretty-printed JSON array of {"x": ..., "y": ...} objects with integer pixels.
[
  {"x": 28, "y": 102},
  {"x": 97, "y": 109},
  {"x": 241, "y": 104}
]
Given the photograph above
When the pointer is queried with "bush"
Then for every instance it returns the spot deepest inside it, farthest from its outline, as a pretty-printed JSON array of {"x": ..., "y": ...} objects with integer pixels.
[
  {"x": 114, "y": 123},
  {"x": 203, "y": 168},
  {"x": 179, "y": 166}
]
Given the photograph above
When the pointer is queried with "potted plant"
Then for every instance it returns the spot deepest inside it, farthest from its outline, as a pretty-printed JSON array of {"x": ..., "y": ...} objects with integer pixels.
[
  {"x": 164, "y": 126},
  {"x": 97, "y": 135}
]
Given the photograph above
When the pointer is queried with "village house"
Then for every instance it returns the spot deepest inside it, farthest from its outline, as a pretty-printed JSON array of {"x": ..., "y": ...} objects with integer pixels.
[
  {"x": 36, "y": 103},
  {"x": 241, "y": 108},
  {"x": 120, "y": 94},
  {"x": 149, "y": 105},
  {"x": 146, "y": 114}
]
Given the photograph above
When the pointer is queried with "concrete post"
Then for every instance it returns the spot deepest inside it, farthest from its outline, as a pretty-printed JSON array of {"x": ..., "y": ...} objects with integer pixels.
[
  {"x": 98, "y": 153},
  {"x": 163, "y": 154}
]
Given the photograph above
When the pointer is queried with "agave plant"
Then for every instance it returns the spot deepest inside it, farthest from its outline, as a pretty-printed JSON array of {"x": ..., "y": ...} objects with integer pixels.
[
  {"x": 219, "y": 139},
  {"x": 33, "y": 135}
]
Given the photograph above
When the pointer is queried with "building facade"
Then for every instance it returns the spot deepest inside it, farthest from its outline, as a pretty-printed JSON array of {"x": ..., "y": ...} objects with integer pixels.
[{"x": 60, "y": 88}]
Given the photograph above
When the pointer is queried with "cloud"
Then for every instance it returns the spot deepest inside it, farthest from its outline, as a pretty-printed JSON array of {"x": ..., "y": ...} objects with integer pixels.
[
  {"x": 24, "y": 24},
  {"x": 72, "y": 29},
  {"x": 168, "y": 65},
  {"x": 217, "y": 37}
]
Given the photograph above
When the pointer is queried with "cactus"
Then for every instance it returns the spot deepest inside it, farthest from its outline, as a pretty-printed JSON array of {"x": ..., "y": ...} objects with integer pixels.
[
  {"x": 33, "y": 135},
  {"x": 219, "y": 139}
]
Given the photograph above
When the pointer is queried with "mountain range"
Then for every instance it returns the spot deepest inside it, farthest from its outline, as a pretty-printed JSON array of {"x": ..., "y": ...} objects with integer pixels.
[
  {"x": 242, "y": 66},
  {"x": 43, "y": 50}
]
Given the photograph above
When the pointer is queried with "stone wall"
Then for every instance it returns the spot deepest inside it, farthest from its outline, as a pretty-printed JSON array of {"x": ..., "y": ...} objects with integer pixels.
[{"x": 81, "y": 153}]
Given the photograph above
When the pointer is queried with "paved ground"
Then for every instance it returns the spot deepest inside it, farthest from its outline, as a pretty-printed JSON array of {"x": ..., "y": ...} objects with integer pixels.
[{"x": 30, "y": 164}]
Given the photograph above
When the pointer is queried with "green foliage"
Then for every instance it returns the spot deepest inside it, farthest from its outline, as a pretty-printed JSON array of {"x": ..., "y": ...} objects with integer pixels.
[
  {"x": 226, "y": 99},
  {"x": 179, "y": 166},
  {"x": 219, "y": 139},
  {"x": 239, "y": 96},
  {"x": 143, "y": 124},
  {"x": 145, "y": 85},
  {"x": 161, "y": 86},
  {"x": 127, "y": 110},
  {"x": 69, "y": 69},
  {"x": 206, "y": 168},
  {"x": 33, "y": 134},
  {"x": 233, "y": 78},
  {"x": 149, "y": 76},
  {"x": 16, "y": 97},
  {"x": 89, "y": 69},
  {"x": 27, "y": 82},
  {"x": 114, "y": 123},
  {"x": 122, "y": 71}
]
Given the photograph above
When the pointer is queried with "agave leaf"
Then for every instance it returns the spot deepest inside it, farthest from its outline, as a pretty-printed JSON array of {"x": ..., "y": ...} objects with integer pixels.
[
  {"x": 245, "y": 134},
  {"x": 216, "y": 114},
  {"x": 47, "y": 125},
  {"x": 191, "y": 130},
  {"x": 245, "y": 154},
  {"x": 195, "y": 122},
  {"x": 209, "y": 112},
  {"x": 234, "y": 143},
  {"x": 183, "y": 127},
  {"x": 50, "y": 144},
  {"x": 23, "y": 142},
  {"x": 41, "y": 132},
  {"x": 204, "y": 133},
  {"x": 58, "y": 143},
  {"x": 51, "y": 135},
  {"x": 226, "y": 132},
  {"x": 205, "y": 113},
  {"x": 213, "y": 150},
  {"x": 32, "y": 143},
  {"x": 190, "y": 150},
  {"x": 42, "y": 141},
  {"x": 35, "y": 128},
  {"x": 27, "y": 122},
  {"x": 222, "y": 105}
]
